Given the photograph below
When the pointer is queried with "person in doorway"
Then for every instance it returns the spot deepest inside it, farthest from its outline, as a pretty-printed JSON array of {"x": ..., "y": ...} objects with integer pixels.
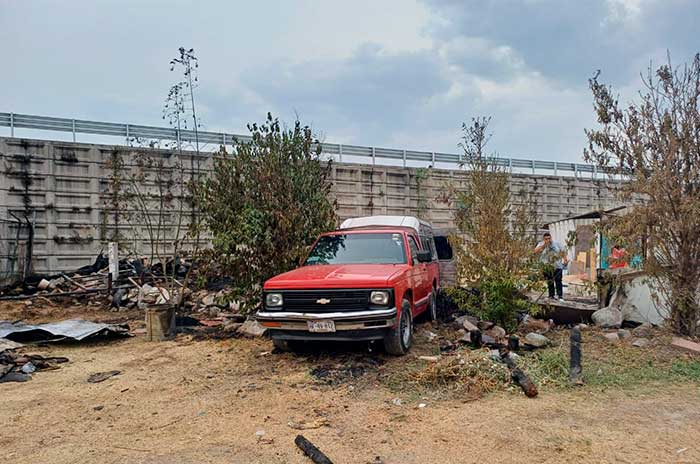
[{"x": 554, "y": 259}]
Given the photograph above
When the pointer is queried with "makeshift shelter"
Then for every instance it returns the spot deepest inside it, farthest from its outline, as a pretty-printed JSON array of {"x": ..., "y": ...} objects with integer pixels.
[{"x": 592, "y": 263}]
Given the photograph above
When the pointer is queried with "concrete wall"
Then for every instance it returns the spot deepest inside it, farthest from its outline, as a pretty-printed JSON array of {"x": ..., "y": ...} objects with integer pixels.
[{"x": 67, "y": 187}]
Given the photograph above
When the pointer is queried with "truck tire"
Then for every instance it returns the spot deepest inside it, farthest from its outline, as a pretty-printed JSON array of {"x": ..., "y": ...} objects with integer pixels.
[
  {"x": 432, "y": 306},
  {"x": 398, "y": 340}
]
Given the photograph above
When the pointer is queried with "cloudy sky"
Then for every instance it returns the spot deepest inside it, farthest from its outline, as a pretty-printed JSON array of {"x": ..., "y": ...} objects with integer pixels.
[{"x": 390, "y": 73}]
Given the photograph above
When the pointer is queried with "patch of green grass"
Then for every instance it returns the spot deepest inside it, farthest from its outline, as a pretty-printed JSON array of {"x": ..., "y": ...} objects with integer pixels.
[{"x": 621, "y": 367}]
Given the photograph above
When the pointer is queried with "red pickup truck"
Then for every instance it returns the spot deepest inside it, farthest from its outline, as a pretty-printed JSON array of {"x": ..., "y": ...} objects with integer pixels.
[{"x": 367, "y": 280}]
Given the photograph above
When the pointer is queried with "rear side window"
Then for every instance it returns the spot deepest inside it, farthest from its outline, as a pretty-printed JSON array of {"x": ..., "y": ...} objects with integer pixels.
[
  {"x": 444, "y": 249},
  {"x": 414, "y": 248},
  {"x": 429, "y": 244}
]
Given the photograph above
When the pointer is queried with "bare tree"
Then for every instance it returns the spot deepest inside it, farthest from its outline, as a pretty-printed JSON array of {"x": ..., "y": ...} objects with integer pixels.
[{"x": 655, "y": 144}]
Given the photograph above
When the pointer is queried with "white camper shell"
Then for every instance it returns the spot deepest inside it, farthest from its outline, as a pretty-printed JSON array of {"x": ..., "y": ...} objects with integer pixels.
[{"x": 423, "y": 228}]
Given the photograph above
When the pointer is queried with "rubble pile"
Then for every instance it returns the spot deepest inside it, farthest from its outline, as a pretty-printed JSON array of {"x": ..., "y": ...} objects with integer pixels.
[{"x": 17, "y": 367}]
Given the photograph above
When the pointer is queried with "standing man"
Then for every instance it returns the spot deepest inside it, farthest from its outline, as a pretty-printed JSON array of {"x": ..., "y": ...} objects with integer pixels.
[{"x": 553, "y": 257}]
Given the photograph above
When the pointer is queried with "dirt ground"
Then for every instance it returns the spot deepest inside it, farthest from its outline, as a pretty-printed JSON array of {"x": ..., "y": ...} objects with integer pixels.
[{"x": 232, "y": 401}]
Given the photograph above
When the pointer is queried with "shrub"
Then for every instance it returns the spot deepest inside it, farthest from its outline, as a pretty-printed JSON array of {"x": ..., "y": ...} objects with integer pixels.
[{"x": 265, "y": 205}]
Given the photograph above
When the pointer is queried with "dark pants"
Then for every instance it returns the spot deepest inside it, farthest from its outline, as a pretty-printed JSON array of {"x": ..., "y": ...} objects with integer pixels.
[{"x": 554, "y": 280}]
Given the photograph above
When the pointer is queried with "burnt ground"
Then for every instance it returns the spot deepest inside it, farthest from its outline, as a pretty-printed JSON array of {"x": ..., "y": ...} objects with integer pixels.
[{"x": 234, "y": 400}]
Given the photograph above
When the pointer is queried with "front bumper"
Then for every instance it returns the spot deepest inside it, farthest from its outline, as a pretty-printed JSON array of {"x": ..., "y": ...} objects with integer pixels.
[{"x": 371, "y": 319}]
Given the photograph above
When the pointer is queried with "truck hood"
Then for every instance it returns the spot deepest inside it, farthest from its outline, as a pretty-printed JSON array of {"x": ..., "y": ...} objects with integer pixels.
[{"x": 337, "y": 276}]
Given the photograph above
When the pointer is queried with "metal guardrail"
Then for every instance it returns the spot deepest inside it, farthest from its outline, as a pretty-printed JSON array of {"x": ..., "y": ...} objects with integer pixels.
[{"x": 128, "y": 131}]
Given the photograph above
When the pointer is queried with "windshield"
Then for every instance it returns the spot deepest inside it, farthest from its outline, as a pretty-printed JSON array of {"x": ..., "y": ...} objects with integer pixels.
[{"x": 358, "y": 249}]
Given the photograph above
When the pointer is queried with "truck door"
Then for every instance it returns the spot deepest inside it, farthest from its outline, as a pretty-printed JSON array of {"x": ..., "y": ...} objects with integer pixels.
[{"x": 419, "y": 275}]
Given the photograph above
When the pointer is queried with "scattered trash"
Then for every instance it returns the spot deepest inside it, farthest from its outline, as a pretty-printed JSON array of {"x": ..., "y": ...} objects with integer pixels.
[
  {"x": 640, "y": 342},
  {"x": 73, "y": 329},
  {"x": 28, "y": 368},
  {"x": 102, "y": 376},
  {"x": 612, "y": 337},
  {"x": 396, "y": 402},
  {"x": 311, "y": 451},
  {"x": 422, "y": 405},
  {"x": 315, "y": 424},
  {"x": 429, "y": 358},
  {"x": 17, "y": 367}
]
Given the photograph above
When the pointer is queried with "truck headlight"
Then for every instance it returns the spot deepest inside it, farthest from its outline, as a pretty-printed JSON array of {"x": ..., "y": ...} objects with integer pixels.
[
  {"x": 273, "y": 300},
  {"x": 379, "y": 298}
]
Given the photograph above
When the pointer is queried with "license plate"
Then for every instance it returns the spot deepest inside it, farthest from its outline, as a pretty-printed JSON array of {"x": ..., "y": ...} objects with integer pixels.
[{"x": 321, "y": 326}]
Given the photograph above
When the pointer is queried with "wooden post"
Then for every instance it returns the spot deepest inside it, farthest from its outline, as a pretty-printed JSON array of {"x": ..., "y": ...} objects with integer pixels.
[
  {"x": 113, "y": 253},
  {"x": 575, "y": 361}
]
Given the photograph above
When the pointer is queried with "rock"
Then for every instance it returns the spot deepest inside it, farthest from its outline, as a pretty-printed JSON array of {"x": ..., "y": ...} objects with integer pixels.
[
  {"x": 582, "y": 326},
  {"x": 430, "y": 335},
  {"x": 446, "y": 345},
  {"x": 28, "y": 303},
  {"x": 612, "y": 337},
  {"x": 43, "y": 284},
  {"x": 624, "y": 334},
  {"x": 644, "y": 330},
  {"x": 466, "y": 323},
  {"x": 496, "y": 332},
  {"x": 252, "y": 328},
  {"x": 608, "y": 318},
  {"x": 530, "y": 324},
  {"x": 232, "y": 326},
  {"x": 208, "y": 300},
  {"x": 536, "y": 340},
  {"x": 422, "y": 405},
  {"x": 640, "y": 342},
  {"x": 429, "y": 358},
  {"x": 686, "y": 345},
  {"x": 485, "y": 325},
  {"x": 464, "y": 337},
  {"x": 488, "y": 340}
]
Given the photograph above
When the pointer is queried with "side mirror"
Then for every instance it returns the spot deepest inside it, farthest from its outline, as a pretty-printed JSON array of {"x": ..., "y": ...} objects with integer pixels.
[{"x": 424, "y": 256}]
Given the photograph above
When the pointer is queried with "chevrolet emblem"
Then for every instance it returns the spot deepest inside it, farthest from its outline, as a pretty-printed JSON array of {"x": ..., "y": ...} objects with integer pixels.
[{"x": 323, "y": 301}]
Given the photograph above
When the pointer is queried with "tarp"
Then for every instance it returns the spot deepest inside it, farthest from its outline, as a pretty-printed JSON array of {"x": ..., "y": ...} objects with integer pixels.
[{"x": 73, "y": 329}]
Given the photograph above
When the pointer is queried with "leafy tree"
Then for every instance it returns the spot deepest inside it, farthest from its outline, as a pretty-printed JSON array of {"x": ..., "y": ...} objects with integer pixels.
[
  {"x": 266, "y": 204},
  {"x": 493, "y": 252},
  {"x": 654, "y": 144}
]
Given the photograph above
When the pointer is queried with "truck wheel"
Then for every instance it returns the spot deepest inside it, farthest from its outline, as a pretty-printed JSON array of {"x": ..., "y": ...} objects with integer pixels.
[
  {"x": 286, "y": 345},
  {"x": 432, "y": 306},
  {"x": 398, "y": 340}
]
